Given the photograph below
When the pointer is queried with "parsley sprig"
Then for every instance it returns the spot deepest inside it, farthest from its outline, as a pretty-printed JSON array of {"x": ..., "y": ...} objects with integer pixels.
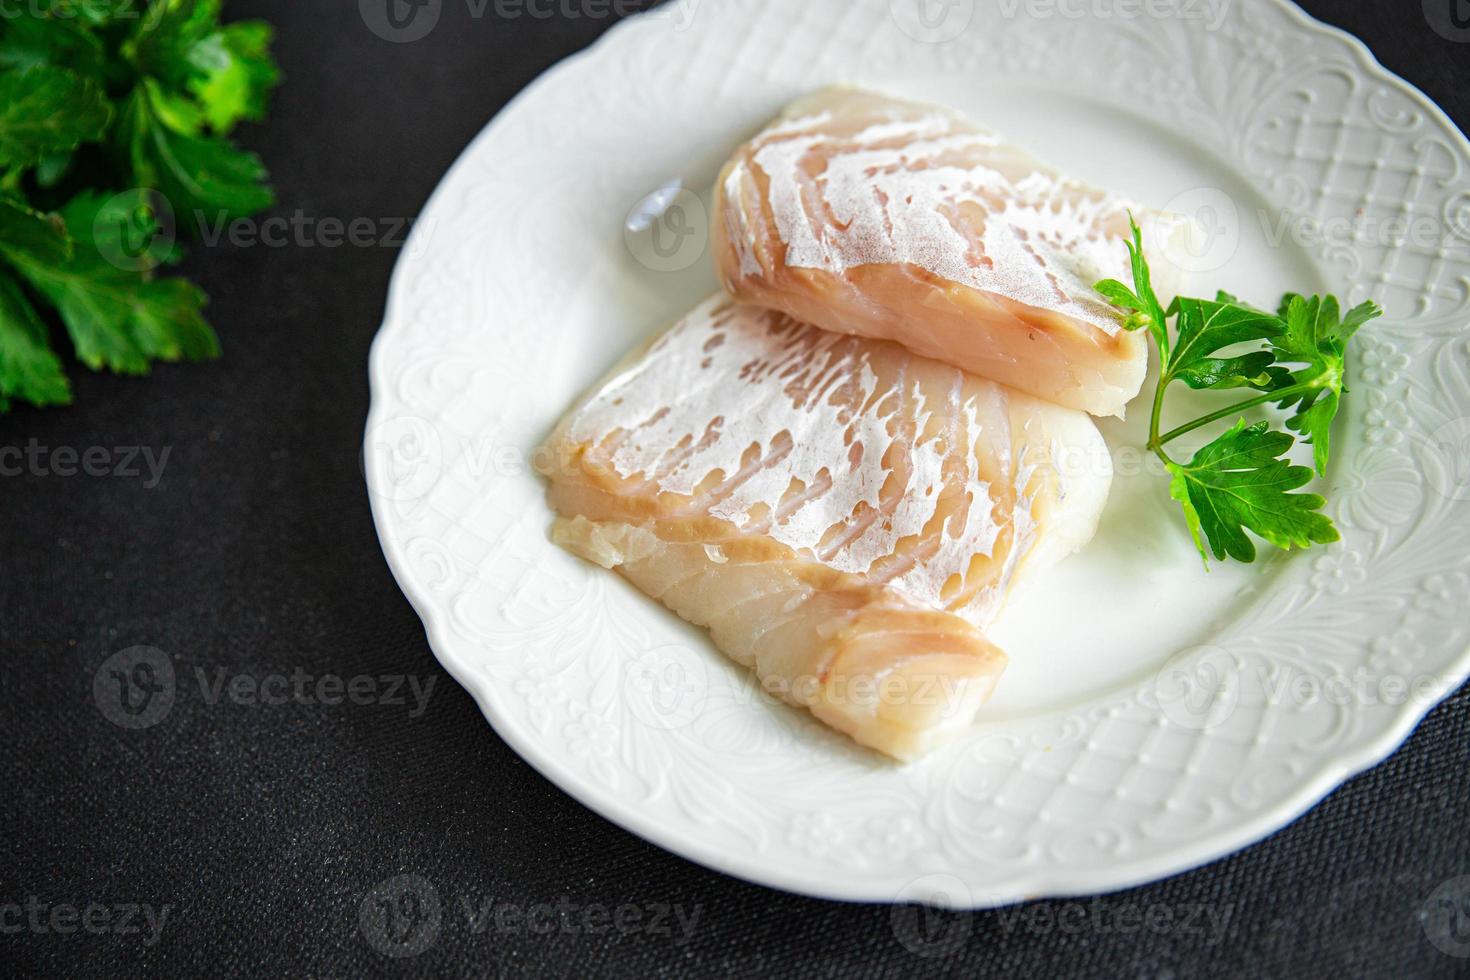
[
  {"x": 1295, "y": 359},
  {"x": 106, "y": 106}
]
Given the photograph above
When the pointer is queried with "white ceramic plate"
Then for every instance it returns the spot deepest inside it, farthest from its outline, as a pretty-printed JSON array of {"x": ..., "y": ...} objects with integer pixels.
[{"x": 1167, "y": 716}]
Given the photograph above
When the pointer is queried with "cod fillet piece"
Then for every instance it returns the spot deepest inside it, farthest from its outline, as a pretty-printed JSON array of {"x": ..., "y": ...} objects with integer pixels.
[
  {"x": 860, "y": 213},
  {"x": 844, "y": 516}
]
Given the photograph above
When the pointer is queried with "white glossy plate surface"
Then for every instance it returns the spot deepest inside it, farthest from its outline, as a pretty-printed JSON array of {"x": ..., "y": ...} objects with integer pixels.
[{"x": 1166, "y": 716}]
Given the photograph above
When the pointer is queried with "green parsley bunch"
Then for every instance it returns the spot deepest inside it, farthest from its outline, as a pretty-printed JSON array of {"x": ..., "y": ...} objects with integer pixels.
[
  {"x": 114, "y": 116},
  {"x": 1295, "y": 359}
]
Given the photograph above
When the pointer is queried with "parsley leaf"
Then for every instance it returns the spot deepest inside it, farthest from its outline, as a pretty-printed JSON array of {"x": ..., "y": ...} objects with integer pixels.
[
  {"x": 26, "y": 42},
  {"x": 1317, "y": 335},
  {"x": 45, "y": 110},
  {"x": 168, "y": 31},
  {"x": 227, "y": 69},
  {"x": 30, "y": 233},
  {"x": 1147, "y": 312},
  {"x": 28, "y": 369},
  {"x": 1240, "y": 482},
  {"x": 116, "y": 318},
  {"x": 235, "y": 74},
  {"x": 1206, "y": 328},
  {"x": 201, "y": 177}
]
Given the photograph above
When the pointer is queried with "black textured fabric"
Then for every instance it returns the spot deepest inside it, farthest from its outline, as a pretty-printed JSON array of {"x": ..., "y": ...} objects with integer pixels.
[{"x": 265, "y": 828}]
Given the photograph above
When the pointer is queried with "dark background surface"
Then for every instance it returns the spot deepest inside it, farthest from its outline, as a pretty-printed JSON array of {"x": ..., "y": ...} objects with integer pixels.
[{"x": 264, "y": 828}]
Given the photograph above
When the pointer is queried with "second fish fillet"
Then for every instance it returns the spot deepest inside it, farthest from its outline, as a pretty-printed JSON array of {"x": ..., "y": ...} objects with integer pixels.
[
  {"x": 905, "y": 222},
  {"x": 844, "y": 516}
]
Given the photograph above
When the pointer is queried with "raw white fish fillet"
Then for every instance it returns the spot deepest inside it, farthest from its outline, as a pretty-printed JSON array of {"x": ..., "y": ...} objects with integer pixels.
[
  {"x": 906, "y": 222},
  {"x": 843, "y": 515}
]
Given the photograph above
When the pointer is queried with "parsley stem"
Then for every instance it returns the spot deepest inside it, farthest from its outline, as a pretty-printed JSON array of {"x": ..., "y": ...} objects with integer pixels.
[
  {"x": 1157, "y": 441},
  {"x": 1154, "y": 442}
]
